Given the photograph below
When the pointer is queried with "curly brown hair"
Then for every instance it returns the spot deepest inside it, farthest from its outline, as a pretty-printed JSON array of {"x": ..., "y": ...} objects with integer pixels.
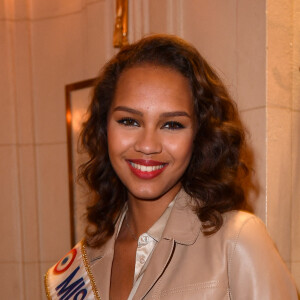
[{"x": 212, "y": 177}]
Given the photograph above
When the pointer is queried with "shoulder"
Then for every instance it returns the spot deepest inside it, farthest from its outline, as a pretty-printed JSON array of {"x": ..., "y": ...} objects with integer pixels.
[
  {"x": 237, "y": 222},
  {"x": 237, "y": 219},
  {"x": 242, "y": 233},
  {"x": 245, "y": 240},
  {"x": 246, "y": 233},
  {"x": 254, "y": 264},
  {"x": 238, "y": 225}
]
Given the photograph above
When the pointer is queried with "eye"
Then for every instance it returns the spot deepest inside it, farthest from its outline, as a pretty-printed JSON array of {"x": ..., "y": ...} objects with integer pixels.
[
  {"x": 173, "y": 125},
  {"x": 128, "y": 122}
]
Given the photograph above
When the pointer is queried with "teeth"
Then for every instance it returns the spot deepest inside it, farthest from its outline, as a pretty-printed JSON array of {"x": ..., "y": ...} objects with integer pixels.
[{"x": 146, "y": 168}]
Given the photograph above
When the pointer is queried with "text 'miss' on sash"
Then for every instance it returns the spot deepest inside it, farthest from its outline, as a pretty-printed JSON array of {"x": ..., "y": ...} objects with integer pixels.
[{"x": 71, "y": 277}]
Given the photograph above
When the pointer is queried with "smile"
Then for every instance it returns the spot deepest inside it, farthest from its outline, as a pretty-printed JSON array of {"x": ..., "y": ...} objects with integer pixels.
[{"x": 146, "y": 169}]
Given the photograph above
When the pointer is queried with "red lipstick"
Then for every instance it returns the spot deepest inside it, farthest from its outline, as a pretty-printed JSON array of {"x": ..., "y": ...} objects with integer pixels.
[{"x": 146, "y": 169}]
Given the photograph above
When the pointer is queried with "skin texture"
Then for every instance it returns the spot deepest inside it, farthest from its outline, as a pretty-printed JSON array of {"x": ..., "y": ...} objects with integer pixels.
[{"x": 151, "y": 122}]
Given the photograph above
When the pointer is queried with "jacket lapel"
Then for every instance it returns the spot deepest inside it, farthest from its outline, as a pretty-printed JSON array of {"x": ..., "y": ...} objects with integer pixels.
[
  {"x": 158, "y": 263},
  {"x": 183, "y": 227}
]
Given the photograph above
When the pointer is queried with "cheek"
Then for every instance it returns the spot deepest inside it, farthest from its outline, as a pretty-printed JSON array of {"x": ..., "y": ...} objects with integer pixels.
[
  {"x": 118, "y": 140},
  {"x": 180, "y": 148}
]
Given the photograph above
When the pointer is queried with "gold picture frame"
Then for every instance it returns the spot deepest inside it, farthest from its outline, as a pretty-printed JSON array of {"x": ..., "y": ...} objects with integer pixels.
[{"x": 78, "y": 97}]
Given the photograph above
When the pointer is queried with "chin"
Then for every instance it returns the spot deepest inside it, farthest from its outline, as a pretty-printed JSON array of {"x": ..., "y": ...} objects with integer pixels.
[
  {"x": 147, "y": 194},
  {"x": 152, "y": 193}
]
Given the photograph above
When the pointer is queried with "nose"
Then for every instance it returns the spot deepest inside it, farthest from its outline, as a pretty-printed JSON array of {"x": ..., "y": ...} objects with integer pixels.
[{"x": 148, "y": 142}]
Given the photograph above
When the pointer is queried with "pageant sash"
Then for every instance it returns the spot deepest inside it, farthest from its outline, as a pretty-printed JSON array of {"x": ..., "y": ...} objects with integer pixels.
[{"x": 71, "y": 277}]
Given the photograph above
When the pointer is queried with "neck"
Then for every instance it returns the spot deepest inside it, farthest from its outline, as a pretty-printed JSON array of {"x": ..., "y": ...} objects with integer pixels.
[{"x": 142, "y": 214}]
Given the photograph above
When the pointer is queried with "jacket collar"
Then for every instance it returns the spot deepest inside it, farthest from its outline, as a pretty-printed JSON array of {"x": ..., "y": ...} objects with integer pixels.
[{"x": 183, "y": 225}]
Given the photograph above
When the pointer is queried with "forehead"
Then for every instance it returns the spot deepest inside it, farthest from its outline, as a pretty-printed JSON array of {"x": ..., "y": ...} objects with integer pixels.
[{"x": 153, "y": 85}]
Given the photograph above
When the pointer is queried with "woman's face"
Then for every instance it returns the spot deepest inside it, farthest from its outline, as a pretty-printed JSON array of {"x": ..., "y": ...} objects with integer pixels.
[{"x": 151, "y": 130}]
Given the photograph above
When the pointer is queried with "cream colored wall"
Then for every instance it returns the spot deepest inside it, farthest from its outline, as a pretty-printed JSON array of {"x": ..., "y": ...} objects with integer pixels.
[
  {"x": 295, "y": 147},
  {"x": 279, "y": 104},
  {"x": 283, "y": 129},
  {"x": 44, "y": 46},
  {"x": 48, "y": 44}
]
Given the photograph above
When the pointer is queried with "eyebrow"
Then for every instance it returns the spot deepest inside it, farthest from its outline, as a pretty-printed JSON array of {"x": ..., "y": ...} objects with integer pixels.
[
  {"x": 128, "y": 109},
  {"x": 165, "y": 115},
  {"x": 175, "y": 114}
]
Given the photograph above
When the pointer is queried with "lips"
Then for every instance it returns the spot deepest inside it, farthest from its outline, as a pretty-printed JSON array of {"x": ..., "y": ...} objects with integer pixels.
[{"x": 146, "y": 169}]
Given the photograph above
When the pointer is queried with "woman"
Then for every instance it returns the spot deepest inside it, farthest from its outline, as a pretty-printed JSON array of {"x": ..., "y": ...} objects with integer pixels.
[{"x": 165, "y": 146}]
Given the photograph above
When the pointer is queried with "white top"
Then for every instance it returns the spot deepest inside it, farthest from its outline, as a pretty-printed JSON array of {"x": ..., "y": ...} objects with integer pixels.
[{"x": 146, "y": 244}]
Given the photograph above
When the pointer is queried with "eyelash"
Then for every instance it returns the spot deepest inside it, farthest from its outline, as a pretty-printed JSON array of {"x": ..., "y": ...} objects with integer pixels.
[
  {"x": 171, "y": 125},
  {"x": 128, "y": 122}
]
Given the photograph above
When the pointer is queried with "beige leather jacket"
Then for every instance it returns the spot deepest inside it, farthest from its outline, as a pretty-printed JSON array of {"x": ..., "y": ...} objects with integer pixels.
[{"x": 239, "y": 262}]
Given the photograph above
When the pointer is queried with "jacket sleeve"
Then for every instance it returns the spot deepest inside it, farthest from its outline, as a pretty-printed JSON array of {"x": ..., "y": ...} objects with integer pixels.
[{"x": 255, "y": 269}]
